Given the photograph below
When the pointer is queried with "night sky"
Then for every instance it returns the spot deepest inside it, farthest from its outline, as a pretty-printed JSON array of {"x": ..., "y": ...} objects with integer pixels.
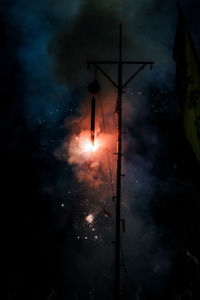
[{"x": 52, "y": 251}]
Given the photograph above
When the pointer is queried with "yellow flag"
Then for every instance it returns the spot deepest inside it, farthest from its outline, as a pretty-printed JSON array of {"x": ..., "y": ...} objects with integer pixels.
[{"x": 188, "y": 83}]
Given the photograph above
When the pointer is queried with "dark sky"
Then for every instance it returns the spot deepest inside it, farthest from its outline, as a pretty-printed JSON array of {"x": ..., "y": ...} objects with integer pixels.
[{"x": 44, "y": 46}]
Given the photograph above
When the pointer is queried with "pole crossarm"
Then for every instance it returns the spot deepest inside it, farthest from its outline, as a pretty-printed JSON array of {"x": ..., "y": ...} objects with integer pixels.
[
  {"x": 124, "y": 62},
  {"x": 97, "y": 63},
  {"x": 105, "y": 74},
  {"x": 140, "y": 69}
]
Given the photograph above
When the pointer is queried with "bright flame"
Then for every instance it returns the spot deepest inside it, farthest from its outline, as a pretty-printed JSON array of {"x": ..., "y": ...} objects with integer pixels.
[
  {"x": 83, "y": 154},
  {"x": 88, "y": 146},
  {"x": 89, "y": 218}
]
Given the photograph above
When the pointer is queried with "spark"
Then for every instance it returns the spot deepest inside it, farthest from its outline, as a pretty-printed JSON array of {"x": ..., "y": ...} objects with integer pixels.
[
  {"x": 62, "y": 204},
  {"x": 89, "y": 218},
  {"x": 81, "y": 147},
  {"x": 88, "y": 146}
]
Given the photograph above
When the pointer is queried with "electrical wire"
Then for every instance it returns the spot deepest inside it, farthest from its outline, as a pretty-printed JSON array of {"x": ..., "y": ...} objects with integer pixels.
[{"x": 108, "y": 157}]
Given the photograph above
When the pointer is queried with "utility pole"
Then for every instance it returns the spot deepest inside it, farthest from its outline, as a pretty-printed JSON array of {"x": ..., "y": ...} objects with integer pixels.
[{"x": 120, "y": 87}]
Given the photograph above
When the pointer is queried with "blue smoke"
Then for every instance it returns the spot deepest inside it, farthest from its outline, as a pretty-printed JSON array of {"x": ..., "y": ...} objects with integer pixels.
[{"x": 44, "y": 98}]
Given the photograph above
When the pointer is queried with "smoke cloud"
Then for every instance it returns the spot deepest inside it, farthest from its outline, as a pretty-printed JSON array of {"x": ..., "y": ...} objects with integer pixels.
[
  {"x": 93, "y": 34},
  {"x": 58, "y": 37}
]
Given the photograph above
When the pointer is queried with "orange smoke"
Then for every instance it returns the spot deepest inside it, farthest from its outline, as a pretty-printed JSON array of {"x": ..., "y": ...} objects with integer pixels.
[
  {"x": 83, "y": 155},
  {"x": 81, "y": 147},
  {"x": 88, "y": 160},
  {"x": 92, "y": 163}
]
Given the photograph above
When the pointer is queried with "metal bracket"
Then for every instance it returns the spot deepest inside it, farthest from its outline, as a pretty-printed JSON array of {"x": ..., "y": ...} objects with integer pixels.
[
  {"x": 116, "y": 153},
  {"x": 123, "y": 224}
]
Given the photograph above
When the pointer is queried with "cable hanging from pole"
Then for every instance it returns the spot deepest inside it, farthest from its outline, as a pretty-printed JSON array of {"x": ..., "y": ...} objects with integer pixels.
[
  {"x": 104, "y": 128},
  {"x": 108, "y": 157}
]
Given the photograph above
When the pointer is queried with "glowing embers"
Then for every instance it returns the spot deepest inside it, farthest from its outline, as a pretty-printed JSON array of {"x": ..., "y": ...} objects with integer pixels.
[{"x": 90, "y": 218}]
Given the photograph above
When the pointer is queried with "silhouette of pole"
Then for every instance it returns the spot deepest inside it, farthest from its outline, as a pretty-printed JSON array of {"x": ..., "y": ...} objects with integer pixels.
[
  {"x": 120, "y": 86},
  {"x": 119, "y": 158}
]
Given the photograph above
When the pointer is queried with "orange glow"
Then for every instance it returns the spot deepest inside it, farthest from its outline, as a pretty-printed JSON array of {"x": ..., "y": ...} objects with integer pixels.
[
  {"x": 88, "y": 158},
  {"x": 89, "y": 147},
  {"x": 83, "y": 154},
  {"x": 82, "y": 146}
]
